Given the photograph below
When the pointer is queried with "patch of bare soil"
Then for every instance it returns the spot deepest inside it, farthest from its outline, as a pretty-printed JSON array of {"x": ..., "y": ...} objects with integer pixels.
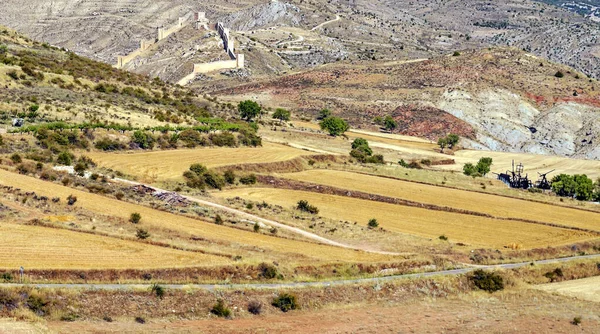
[{"x": 513, "y": 312}]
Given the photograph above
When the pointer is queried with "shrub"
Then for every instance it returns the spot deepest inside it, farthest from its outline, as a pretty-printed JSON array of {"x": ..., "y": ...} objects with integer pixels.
[
  {"x": 158, "y": 290},
  {"x": 559, "y": 74},
  {"x": 281, "y": 114},
  {"x": 143, "y": 140},
  {"x": 135, "y": 218},
  {"x": 255, "y": 307},
  {"x": 223, "y": 139},
  {"x": 65, "y": 158},
  {"x": 487, "y": 281},
  {"x": 214, "y": 180},
  {"x": 373, "y": 223},
  {"x": 140, "y": 320},
  {"x": 456, "y": 54},
  {"x": 390, "y": 123},
  {"x": 107, "y": 318},
  {"x": 554, "y": 274},
  {"x": 304, "y": 206},
  {"x": 16, "y": 158},
  {"x": 443, "y": 237},
  {"x": 120, "y": 196},
  {"x": 324, "y": 113},
  {"x": 286, "y": 302},
  {"x": 220, "y": 310},
  {"x": 7, "y": 277},
  {"x": 142, "y": 234},
  {"x": 334, "y": 125},
  {"x": 37, "y": 305},
  {"x": 218, "y": 220},
  {"x": 248, "y": 179},
  {"x": 256, "y": 228},
  {"x": 248, "y": 137},
  {"x": 71, "y": 199},
  {"x": 80, "y": 168},
  {"x": 229, "y": 176},
  {"x": 107, "y": 144},
  {"x": 576, "y": 321}
]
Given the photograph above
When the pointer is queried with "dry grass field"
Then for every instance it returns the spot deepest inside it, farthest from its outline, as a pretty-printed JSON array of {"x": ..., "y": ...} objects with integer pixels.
[
  {"x": 585, "y": 288},
  {"x": 35, "y": 247},
  {"x": 222, "y": 239},
  {"x": 494, "y": 205},
  {"x": 533, "y": 163},
  {"x": 468, "y": 229},
  {"x": 170, "y": 165}
]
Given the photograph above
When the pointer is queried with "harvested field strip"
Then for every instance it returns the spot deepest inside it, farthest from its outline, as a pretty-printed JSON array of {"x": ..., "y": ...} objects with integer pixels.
[
  {"x": 497, "y": 206},
  {"x": 226, "y": 239},
  {"x": 585, "y": 288},
  {"x": 36, "y": 247},
  {"x": 472, "y": 230},
  {"x": 169, "y": 165},
  {"x": 398, "y": 142}
]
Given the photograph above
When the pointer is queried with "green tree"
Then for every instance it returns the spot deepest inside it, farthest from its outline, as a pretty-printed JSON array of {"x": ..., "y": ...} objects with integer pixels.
[
  {"x": 135, "y": 218},
  {"x": 390, "y": 123},
  {"x": 281, "y": 114},
  {"x": 584, "y": 189},
  {"x": 564, "y": 185},
  {"x": 442, "y": 143},
  {"x": 373, "y": 223},
  {"x": 470, "y": 169},
  {"x": 65, "y": 158},
  {"x": 484, "y": 165},
  {"x": 142, "y": 139},
  {"x": 334, "y": 125},
  {"x": 249, "y": 110},
  {"x": 452, "y": 140}
]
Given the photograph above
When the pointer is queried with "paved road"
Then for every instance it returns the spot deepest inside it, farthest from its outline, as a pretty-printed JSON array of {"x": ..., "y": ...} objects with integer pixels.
[{"x": 275, "y": 286}]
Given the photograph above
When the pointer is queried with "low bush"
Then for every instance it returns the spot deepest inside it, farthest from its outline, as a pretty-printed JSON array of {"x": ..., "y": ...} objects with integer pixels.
[
  {"x": 16, "y": 158},
  {"x": 248, "y": 179},
  {"x": 286, "y": 302},
  {"x": 487, "y": 281},
  {"x": 142, "y": 234},
  {"x": 107, "y": 144},
  {"x": 304, "y": 206},
  {"x": 218, "y": 220},
  {"x": 255, "y": 307},
  {"x": 71, "y": 199},
  {"x": 220, "y": 310},
  {"x": 135, "y": 218},
  {"x": 229, "y": 176},
  {"x": 158, "y": 290},
  {"x": 373, "y": 223},
  {"x": 268, "y": 271}
]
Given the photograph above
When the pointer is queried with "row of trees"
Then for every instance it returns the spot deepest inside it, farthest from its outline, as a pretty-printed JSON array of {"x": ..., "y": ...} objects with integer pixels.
[{"x": 482, "y": 167}]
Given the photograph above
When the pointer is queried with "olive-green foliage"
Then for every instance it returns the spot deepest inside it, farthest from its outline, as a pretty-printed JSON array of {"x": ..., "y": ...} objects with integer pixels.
[
  {"x": 218, "y": 220},
  {"x": 143, "y": 140},
  {"x": 248, "y": 179},
  {"x": 229, "y": 176},
  {"x": 481, "y": 169},
  {"x": 286, "y": 302},
  {"x": 390, "y": 123},
  {"x": 192, "y": 138},
  {"x": 220, "y": 310},
  {"x": 107, "y": 144},
  {"x": 135, "y": 218},
  {"x": 334, "y": 125},
  {"x": 248, "y": 137},
  {"x": 304, "y": 206},
  {"x": 487, "y": 281},
  {"x": 223, "y": 139},
  {"x": 158, "y": 290},
  {"x": 249, "y": 110},
  {"x": 373, "y": 223},
  {"x": 65, "y": 158},
  {"x": 198, "y": 176},
  {"x": 323, "y": 114},
  {"x": 281, "y": 114},
  {"x": 16, "y": 158},
  {"x": 578, "y": 186},
  {"x": 268, "y": 271},
  {"x": 363, "y": 153},
  {"x": 142, "y": 234}
]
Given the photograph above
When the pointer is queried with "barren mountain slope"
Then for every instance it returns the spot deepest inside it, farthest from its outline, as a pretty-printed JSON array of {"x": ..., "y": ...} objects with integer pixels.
[
  {"x": 512, "y": 100},
  {"x": 325, "y": 31}
]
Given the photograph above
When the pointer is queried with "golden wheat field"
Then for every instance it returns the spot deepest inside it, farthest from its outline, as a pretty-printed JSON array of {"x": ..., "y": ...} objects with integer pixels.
[
  {"x": 497, "y": 206},
  {"x": 585, "y": 288},
  {"x": 467, "y": 229},
  {"x": 35, "y": 247},
  {"x": 169, "y": 165},
  {"x": 533, "y": 163},
  {"x": 232, "y": 239}
]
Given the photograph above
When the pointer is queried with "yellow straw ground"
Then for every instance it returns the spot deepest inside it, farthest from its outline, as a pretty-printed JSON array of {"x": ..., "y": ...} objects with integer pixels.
[
  {"x": 234, "y": 238},
  {"x": 467, "y": 229},
  {"x": 497, "y": 206},
  {"x": 169, "y": 165},
  {"x": 36, "y": 247}
]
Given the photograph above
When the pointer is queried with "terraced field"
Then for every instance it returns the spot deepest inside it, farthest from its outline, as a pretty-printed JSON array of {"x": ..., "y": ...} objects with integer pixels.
[
  {"x": 170, "y": 165},
  {"x": 497, "y": 206},
  {"x": 35, "y": 247},
  {"x": 468, "y": 229},
  {"x": 222, "y": 239}
]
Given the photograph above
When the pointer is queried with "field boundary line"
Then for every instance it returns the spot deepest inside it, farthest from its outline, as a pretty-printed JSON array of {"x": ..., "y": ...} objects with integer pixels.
[{"x": 272, "y": 286}]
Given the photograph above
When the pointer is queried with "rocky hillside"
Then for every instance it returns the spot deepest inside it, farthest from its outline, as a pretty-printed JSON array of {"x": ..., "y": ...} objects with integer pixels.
[
  {"x": 512, "y": 100},
  {"x": 283, "y": 36}
]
